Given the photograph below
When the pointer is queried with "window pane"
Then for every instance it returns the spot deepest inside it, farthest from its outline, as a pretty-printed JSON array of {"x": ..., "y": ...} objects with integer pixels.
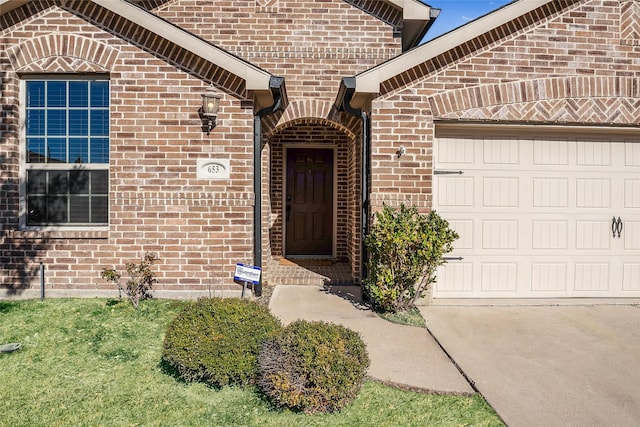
[
  {"x": 36, "y": 182},
  {"x": 36, "y": 210},
  {"x": 100, "y": 93},
  {"x": 79, "y": 122},
  {"x": 56, "y": 94},
  {"x": 58, "y": 183},
  {"x": 35, "y": 94},
  {"x": 99, "y": 150},
  {"x": 79, "y": 209},
  {"x": 36, "y": 150},
  {"x": 57, "y": 150},
  {"x": 56, "y": 122},
  {"x": 78, "y": 150},
  {"x": 78, "y": 94},
  {"x": 79, "y": 182},
  {"x": 100, "y": 182},
  {"x": 57, "y": 209},
  {"x": 99, "y": 123},
  {"x": 99, "y": 210},
  {"x": 35, "y": 122}
]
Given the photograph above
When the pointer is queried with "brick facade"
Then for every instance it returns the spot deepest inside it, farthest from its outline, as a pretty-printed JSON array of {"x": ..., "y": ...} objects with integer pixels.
[
  {"x": 199, "y": 229},
  {"x": 566, "y": 63},
  {"x": 569, "y": 62}
]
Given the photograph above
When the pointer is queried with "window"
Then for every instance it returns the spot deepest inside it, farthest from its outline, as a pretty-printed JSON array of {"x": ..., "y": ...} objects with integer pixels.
[{"x": 67, "y": 152}]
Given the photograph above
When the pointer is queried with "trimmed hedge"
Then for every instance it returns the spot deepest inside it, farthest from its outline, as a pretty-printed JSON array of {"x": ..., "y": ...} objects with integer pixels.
[
  {"x": 313, "y": 367},
  {"x": 217, "y": 341}
]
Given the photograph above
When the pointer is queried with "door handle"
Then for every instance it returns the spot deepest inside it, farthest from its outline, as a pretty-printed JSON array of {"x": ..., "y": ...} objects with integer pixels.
[
  {"x": 288, "y": 212},
  {"x": 616, "y": 227},
  {"x": 619, "y": 227}
]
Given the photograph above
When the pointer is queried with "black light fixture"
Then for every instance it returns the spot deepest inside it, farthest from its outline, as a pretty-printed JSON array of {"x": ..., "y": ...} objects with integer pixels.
[{"x": 209, "y": 110}]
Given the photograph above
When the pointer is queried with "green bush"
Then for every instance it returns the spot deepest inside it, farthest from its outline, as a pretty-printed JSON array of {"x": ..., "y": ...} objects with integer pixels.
[
  {"x": 313, "y": 367},
  {"x": 405, "y": 250},
  {"x": 217, "y": 341}
]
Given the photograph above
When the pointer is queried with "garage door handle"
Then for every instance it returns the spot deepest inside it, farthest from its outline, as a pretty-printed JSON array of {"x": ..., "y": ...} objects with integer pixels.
[
  {"x": 616, "y": 227},
  {"x": 440, "y": 172},
  {"x": 452, "y": 258}
]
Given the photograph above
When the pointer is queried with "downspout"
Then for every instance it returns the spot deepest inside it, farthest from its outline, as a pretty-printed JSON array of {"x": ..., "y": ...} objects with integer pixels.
[
  {"x": 349, "y": 84},
  {"x": 276, "y": 85}
]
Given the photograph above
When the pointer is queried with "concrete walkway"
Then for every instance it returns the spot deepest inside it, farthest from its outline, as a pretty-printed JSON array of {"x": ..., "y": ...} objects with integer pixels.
[
  {"x": 548, "y": 365},
  {"x": 401, "y": 355}
]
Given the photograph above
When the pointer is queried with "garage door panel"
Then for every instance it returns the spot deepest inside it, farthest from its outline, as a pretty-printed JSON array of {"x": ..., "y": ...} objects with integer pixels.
[
  {"x": 500, "y": 192},
  {"x": 631, "y": 235},
  {"x": 631, "y": 277},
  {"x": 632, "y": 154},
  {"x": 548, "y": 277},
  {"x": 455, "y": 277},
  {"x": 464, "y": 228},
  {"x": 550, "y": 152},
  {"x": 499, "y": 277},
  {"x": 500, "y": 151},
  {"x": 593, "y": 235},
  {"x": 592, "y": 276},
  {"x": 456, "y": 151},
  {"x": 500, "y": 234},
  {"x": 455, "y": 191},
  {"x": 593, "y": 153},
  {"x": 549, "y": 234},
  {"x": 632, "y": 193},
  {"x": 593, "y": 193},
  {"x": 550, "y": 193}
]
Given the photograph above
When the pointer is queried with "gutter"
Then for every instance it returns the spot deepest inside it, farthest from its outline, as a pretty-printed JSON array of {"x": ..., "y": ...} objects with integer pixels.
[
  {"x": 343, "y": 103},
  {"x": 276, "y": 85}
]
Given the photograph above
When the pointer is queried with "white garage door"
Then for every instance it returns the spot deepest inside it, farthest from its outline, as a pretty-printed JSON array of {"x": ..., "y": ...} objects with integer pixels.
[{"x": 539, "y": 216}]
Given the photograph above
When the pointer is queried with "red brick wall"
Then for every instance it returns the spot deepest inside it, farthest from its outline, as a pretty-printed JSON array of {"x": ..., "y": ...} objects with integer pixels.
[
  {"x": 580, "y": 65},
  {"x": 199, "y": 228}
]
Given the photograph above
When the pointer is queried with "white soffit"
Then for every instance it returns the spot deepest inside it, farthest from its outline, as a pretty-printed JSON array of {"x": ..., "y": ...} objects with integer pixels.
[
  {"x": 413, "y": 9},
  {"x": 370, "y": 80},
  {"x": 256, "y": 79}
]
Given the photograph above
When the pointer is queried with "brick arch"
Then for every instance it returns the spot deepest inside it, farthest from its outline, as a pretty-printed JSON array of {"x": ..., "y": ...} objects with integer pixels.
[
  {"x": 62, "y": 53},
  {"x": 572, "y": 99},
  {"x": 311, "y": 111}
]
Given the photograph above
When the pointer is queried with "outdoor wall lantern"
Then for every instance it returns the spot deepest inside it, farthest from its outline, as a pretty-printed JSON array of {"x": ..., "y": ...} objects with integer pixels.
[{"x": 209, "y": 110}]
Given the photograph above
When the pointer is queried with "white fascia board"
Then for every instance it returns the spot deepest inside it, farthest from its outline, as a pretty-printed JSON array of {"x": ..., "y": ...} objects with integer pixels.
[
  {"x": 256, "y": 79},
  {"x": 413, "y": 10},
  {"x": 370, "y": 80}
]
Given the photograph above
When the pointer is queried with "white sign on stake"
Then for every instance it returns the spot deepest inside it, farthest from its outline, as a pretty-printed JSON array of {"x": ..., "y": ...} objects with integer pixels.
[{"x": 247, "y": 274}]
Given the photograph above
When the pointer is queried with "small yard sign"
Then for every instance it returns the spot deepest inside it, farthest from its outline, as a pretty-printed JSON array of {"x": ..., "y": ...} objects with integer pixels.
[{"x": 247, "y": 274}]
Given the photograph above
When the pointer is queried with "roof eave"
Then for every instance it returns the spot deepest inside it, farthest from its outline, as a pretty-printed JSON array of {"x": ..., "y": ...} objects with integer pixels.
[{"x": 9, "y": 5}]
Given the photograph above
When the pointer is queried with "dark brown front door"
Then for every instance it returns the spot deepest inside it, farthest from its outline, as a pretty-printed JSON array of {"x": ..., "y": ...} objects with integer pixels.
[{"x": 309, "y": 202}]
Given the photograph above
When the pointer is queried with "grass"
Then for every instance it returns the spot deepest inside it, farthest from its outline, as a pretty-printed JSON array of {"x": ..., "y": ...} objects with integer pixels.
[
  {"x": 94, "y": 362},
  {"x": 410, "y": 317}
]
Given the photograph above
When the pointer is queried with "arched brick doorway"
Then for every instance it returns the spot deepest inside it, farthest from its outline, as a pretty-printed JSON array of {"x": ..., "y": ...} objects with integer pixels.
[{"x": 313, "y": 187}]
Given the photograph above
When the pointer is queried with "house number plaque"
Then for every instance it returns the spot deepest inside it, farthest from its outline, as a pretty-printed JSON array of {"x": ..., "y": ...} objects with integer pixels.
[{"x": 213, "y": 169}]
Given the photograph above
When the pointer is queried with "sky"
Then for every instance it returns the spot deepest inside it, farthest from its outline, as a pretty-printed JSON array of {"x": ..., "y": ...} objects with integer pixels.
[{"x": 458, "y": 12}]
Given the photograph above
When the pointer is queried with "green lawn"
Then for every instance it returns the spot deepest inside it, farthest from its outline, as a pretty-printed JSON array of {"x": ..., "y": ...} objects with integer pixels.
[{"x": 93, "y": 362}]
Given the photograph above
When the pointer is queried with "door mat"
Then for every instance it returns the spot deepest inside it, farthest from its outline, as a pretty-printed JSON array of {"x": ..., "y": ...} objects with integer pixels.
[{"x": 307, "y": 262}]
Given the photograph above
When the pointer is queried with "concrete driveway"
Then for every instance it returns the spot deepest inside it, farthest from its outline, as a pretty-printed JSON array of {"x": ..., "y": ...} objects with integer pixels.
[{"x": 548, "y": 365}]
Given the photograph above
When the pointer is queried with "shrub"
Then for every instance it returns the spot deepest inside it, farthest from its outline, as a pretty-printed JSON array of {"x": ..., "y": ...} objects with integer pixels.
[
  {"x": 216, "y": 341},
  {"x": 313, "y": 367},
  {"x": 405, "y": 250},
  {"x": 141, "y": 279}
]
